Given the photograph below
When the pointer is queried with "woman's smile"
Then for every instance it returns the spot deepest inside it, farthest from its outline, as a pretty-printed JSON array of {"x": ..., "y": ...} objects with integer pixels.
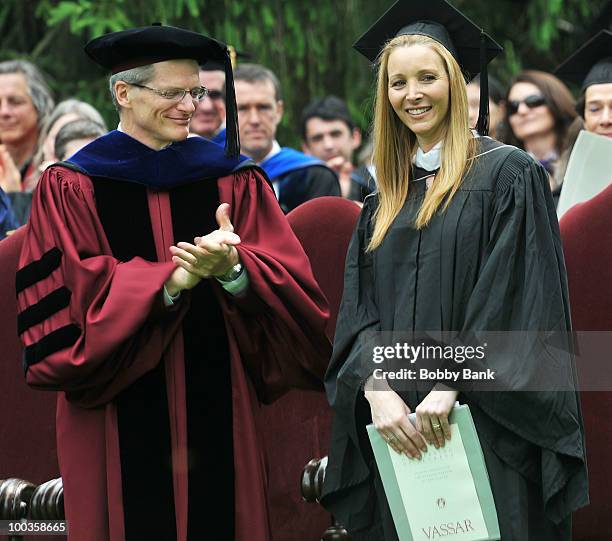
[{"x": 418, "y": 111}]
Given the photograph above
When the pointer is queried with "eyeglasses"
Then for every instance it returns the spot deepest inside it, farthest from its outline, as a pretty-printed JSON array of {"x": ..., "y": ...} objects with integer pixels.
[
  {"x": 535, "y": 100},
  {"x": 177, "y": 94}
]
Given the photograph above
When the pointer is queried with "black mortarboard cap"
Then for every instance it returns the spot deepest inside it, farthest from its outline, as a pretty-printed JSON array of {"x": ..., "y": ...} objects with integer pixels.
[
  {"x": 127, "y": 49},
  {"x": 591, "y": 64},
  {"x": 467, "y": 42}
]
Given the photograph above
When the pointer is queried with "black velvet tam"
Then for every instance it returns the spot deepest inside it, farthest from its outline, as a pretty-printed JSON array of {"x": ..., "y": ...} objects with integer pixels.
[{"x": 119, "y": 51}]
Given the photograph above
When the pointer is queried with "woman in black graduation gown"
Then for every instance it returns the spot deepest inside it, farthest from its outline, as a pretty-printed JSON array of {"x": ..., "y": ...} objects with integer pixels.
[{"x": 461, "y": 236}]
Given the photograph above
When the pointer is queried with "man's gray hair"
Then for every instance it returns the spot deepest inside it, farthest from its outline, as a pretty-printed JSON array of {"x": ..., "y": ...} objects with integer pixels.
[
  {"x": 135, "y": 76},
  {"x": 256, "y": 73},
  {"x": 38, "y": 89}
]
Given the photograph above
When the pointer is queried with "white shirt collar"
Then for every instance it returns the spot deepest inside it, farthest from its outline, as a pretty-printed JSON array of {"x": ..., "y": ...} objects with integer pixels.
[
  {"x": 275, "y": 150},
  {"x": 430, "y": 161}
]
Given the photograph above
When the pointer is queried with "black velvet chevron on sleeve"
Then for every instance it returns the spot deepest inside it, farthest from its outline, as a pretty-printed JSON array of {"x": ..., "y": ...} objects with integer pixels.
[
  {"x": 43, "y": 309},
  {"x": 54, "y": 341},
  {"x": 38, "y": 270}
]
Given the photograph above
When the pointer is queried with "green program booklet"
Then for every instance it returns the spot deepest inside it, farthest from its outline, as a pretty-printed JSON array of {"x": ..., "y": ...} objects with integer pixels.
[{"x": 444, "y": 496}]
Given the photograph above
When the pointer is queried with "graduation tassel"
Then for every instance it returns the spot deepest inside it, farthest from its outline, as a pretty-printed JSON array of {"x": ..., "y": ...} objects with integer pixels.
[
  {"x": 232, "y": 135},
  {"x": 482, "y": 126}
]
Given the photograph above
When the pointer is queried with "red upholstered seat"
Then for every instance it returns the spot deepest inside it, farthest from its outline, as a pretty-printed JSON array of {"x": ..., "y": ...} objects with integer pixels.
[
  {"x": 27, "y": 417},
  {"x": 587, "y": 243},
  {"x": 297, "y": 427}
]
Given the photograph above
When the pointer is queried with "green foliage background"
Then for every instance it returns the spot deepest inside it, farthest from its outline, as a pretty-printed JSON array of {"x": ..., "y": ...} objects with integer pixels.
[{"x": 308, "y": 44}]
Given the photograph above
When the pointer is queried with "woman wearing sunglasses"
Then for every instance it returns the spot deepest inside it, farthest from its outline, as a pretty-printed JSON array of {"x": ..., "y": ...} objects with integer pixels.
[{"x": 539, "y": 111}]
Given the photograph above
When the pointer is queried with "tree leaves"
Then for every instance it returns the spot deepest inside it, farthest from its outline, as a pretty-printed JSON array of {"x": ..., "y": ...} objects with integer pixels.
[{"x": 308, "y": 45}]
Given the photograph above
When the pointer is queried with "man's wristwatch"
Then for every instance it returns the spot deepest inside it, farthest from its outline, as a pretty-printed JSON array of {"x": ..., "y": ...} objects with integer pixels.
[{"x": 231, "y": 274}]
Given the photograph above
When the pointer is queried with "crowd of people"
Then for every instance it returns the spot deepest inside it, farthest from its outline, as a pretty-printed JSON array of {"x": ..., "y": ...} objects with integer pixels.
[
  {"x": 178, "y": 214},
  {"x": 537, "y": 112},
  {"x": 34, "y": 133}
]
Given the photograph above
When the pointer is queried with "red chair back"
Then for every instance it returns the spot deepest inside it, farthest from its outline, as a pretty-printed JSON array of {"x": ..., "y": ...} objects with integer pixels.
[
  {"x": 586, "y": 230},
  {"x": 297, "y": 427},
  {"x": 27, "y": 417},
  {"x": 324, "y": 227}
]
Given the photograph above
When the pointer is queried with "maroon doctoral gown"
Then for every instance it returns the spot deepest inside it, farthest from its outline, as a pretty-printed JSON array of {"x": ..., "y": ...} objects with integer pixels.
[{"x": 155, "y": 421}]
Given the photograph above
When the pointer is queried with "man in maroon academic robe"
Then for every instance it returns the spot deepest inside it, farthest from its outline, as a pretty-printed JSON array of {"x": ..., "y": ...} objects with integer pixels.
[{"x": 161, "y": 289}]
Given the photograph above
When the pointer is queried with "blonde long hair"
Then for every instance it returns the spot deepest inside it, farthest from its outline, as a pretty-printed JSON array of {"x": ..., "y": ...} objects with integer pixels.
[{"x": 395, "y": 145}]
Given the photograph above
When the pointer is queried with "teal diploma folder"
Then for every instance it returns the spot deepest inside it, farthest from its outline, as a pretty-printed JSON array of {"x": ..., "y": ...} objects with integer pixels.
[{"x": 444, "y": 496}]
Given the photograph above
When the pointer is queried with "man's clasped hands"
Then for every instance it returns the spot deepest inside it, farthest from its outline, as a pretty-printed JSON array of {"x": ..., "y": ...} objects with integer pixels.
[{"x": 209, "y": 256}]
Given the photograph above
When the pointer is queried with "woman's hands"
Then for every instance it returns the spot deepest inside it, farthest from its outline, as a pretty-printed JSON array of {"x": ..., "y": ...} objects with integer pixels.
[
  {"x": 390, "y": 417},
  {"x": 432, "y": 414}
]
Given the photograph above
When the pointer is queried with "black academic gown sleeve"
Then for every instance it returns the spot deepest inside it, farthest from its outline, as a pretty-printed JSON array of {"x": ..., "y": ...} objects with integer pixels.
[
  {"x": 321, "y": 181},
  {"x": 536, "y": 426},
  {"x": 305, "y": 184}
]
